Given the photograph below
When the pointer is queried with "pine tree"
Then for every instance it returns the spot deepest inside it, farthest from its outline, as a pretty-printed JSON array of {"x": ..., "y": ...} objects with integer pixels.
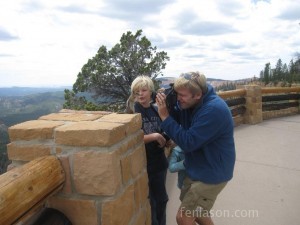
[{"x": 109, "y": 74}]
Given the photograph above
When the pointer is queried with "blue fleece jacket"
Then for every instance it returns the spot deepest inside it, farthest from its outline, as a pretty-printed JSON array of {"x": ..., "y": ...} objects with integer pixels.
[{"x": 206, "y": 136}]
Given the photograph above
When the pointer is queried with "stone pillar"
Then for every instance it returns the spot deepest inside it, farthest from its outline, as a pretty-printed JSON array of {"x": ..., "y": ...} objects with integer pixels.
[
  {"x": 253, "y": 114},
  {"x": 103, "y": 156}
]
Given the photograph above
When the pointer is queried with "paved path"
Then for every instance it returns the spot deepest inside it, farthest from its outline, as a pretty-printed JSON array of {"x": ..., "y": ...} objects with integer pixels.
[{"x": 265, "y": 189}]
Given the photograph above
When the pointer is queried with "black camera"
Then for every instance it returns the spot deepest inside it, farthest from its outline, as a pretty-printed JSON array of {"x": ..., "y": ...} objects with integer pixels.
[
  {"x": 171, "y": 97},
  {"x": 165, "y": 136}
]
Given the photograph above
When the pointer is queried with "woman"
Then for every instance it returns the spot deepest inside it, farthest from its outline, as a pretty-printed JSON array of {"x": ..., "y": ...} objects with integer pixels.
[{"x": 141, "y": 90}]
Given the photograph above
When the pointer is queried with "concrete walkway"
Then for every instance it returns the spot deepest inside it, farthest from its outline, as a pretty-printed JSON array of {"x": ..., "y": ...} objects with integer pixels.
[{"x": 265, "y": 189}]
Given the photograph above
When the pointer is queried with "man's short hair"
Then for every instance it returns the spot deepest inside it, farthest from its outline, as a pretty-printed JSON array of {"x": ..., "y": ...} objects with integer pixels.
[{"x": 194, "y": 81}]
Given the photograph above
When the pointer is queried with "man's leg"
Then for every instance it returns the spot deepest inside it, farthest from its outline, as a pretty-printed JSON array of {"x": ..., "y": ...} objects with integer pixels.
[
  {"x": 182, "y": 219},
  {"x": 197, "y": 200},
  {"x": 204, "y": 220}
]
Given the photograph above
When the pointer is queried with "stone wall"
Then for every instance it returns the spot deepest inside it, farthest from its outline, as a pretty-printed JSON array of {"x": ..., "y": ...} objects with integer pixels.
[{"x": 104, "y": 160}]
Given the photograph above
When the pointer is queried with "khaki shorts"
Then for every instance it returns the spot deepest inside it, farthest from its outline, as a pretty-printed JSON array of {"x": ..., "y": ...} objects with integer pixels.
[{"x": 197, "y": 196}]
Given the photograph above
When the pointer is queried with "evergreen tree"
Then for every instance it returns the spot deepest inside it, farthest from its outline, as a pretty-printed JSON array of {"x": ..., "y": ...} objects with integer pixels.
[
  {"x": 297, "y": 67},
  {"x": 278, "y": 74},
  {"x": 292, "y": 71},
  {"x": 285, "y": 72},
  {"x": 282, "y": 72},
  {"x": 261, "y": 75},
  {"x": 109, "y": 74},
  {"x": 267, "y": 73}
]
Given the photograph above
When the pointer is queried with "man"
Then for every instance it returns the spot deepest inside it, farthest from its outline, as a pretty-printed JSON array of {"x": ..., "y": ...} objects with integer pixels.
[{"x": 205, "y": 132}]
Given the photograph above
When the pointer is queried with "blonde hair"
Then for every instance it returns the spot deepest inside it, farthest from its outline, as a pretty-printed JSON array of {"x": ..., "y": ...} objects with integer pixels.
[
  {"x": 138, "y": 83},
  {"x": 130, "y": 104},
  {"x": 194, "y": 81}
]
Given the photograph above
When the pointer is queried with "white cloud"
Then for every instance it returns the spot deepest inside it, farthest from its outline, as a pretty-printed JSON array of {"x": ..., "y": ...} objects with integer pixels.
[{"x": 47, "y": 42}]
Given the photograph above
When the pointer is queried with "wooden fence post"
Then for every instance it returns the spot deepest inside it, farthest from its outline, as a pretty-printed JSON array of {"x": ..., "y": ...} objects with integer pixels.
[{"x": 253, "y": 114}]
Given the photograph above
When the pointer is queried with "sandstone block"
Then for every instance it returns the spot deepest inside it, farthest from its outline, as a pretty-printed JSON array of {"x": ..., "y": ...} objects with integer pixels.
[
  {"x": 34, "y": 129},
  {"x": 126, "y": 169},
  {"x": 58, "y": 150},
  {"x": 138, "y": 160},
  {"x": 131, "y": 141},
  {"x": 141, "y": 190},
  {"x": 79, "y": 212},
  {"x": 67, "y": 188},
  {"x": 27, "y": 152},
  {"x": 141, "y": 218},
  {"x": 96, "y": 173},
  {"x": 84, "y": 111},
  {"x": 139, "y": 138},
  {"x": 133, "y": 122},
  {"x": 72, "y": 116},
  {"x": 88, "y": 133},
  {"x": 119, "y": 211}
]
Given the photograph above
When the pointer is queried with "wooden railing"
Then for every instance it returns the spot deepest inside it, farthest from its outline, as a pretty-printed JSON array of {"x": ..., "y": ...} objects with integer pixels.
[
  {"x": 272, "y": 100},
  {"x": 23, "y": 190},
  {"x": 280, "y": 98},
  {"x": 236, "y": 101}
]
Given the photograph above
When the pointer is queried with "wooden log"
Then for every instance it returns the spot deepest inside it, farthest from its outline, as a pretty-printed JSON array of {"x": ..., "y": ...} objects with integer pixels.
[
  {"x": 280, "y": 90},
  {"x": 282, "y": 97},
  {"x": 233, "y": 93},
  {"x": 35, "y": 212},
  {"x": 235, "y": 101},
  {"x": 278, "y": 106},
  {"x": 239, "y": 110},
  {"x": 23, "y": 188}
]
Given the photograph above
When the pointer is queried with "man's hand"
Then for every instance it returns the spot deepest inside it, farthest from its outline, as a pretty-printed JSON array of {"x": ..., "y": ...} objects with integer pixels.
[{"x": 161, "y": 105}]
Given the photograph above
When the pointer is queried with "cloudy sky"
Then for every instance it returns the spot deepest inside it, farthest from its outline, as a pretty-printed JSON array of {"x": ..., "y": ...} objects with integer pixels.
[{"x": 46, "y": 42}]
